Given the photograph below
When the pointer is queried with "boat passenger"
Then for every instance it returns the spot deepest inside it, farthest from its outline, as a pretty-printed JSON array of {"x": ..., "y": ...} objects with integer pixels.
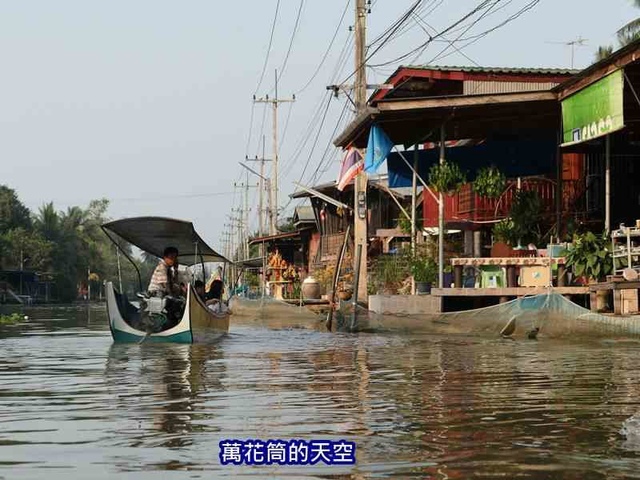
[
  {"x": 216, "y": 290},
  {"x": 164, "y": 280},
  {"x": 198, "y": 286},
  {"x": 214, "y": 302}
]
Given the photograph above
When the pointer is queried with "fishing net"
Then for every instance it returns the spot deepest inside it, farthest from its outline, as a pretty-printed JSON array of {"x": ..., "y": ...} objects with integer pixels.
[
  {"x": 549, "y": 315},
  {"x": 274, "y": 313}
]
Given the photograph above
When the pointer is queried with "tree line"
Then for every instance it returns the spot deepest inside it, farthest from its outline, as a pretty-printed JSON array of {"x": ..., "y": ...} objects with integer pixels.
[{"x": 67, "y": 246}]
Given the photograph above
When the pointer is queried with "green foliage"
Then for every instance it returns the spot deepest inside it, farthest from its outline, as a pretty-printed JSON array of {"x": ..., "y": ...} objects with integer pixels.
[
  {"x": 65, "y": 244},
  {"x": 10, "y": 319},
  {"x": 252, "y": 279},
  {"x": 390, "y": 271},
  {"x": 589, "y": 256},
  {"x": 522, "y": 226},
  {"x": 25, "y": 250},
  {"x": 603, "y": 52},
  {"x": 404, "y": 224},
  {"x": 490, "y": 183},
  {"x": 626, "y": 35},
  {"x": 446, "y": 178},
  {"x": 13, "y": 214},
  {"x": 424, "y": 270},
  {"x": 504, "y": 231},
  {"x": 287, "y": 225}
]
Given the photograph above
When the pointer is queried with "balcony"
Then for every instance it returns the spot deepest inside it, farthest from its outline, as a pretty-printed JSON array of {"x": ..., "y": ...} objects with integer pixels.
[{"x": 467, "y": 206}]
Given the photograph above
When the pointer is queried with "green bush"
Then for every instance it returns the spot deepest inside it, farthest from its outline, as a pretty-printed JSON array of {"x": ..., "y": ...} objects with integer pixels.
[
  {"x": 589, "y": 256},
  {"x": 490, "y": 183},
  {"x": 424, "y": 270},
  {"x": 447, "y": 178}
]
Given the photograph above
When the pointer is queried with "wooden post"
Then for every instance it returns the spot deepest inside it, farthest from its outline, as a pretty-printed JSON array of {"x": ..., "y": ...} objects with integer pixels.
[
  {"x": 457, "y": 276},
  {"x": 607, "y": 185},
  {"x": 441, "y": 216}
]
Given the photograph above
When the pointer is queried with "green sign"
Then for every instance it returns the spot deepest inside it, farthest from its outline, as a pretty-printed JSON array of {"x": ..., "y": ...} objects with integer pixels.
[{"x": 594, "y": 111}]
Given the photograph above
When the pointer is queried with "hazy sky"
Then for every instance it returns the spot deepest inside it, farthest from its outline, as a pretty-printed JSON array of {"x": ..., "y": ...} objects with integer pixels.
[{"x": 148, "y": 103}]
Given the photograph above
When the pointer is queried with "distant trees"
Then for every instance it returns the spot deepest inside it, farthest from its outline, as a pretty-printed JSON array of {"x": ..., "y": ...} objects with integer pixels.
[
  {"x": 627, "y": 34},
  {"x": 66, "y": 244}
]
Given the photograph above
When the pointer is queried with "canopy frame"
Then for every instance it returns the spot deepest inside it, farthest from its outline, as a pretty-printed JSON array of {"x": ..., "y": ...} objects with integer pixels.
[{"x": 153, "y": 234}]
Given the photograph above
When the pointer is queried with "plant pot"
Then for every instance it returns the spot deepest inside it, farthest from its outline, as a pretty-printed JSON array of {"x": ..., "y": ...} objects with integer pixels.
[
  {"x": 344, "y": 295},
  {"x": 423, "y": 287}
]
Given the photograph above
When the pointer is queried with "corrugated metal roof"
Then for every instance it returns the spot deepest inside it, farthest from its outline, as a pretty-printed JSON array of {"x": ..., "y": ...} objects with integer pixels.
[
  {"x": 521, "y": 70},
  {"x": 478, "y": 87},
  {"x": 305, "y": 214}
]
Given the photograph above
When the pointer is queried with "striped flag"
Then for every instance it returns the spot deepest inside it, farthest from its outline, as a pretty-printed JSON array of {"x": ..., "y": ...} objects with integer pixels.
[{"x": 352, "y": 165}]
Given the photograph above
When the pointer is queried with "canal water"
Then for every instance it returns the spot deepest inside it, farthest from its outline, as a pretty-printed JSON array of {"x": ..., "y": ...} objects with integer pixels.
[{"x": 74, "y": 405}]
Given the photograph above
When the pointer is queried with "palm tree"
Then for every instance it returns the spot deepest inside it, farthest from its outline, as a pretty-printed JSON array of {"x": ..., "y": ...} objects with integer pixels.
[
  {"x": 627, "y": 34},
  {"x": 47, "y": 222}
]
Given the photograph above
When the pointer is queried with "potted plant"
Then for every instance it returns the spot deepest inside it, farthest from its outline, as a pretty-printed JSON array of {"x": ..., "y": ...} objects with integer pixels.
[
  {"x": 522, "y": 226},
  {"x": 589, "y": 257},
  {"x": 490, "y": 183},
  {"x": 591, "y": 261},
  {"x": 446, "y": 178},
  {"x": 424, "y": 271}
]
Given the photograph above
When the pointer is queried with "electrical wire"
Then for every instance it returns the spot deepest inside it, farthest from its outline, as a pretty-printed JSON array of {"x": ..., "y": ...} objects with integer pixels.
[
  {"x": 420, "y": 47},
  {"x": 326, "y": 53},
  {"x": 286, "y": 124},
  {"x": 466, "y": 29},
  {"x": 266, "y": 59},
  {"x": 293, "y": 37},
  {"x": 315, "y": 142},
  {"x": 253, "y": 108}
]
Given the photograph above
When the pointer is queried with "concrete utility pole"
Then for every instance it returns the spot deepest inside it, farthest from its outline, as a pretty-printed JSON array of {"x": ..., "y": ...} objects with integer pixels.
[
  {"x": 262, "y": 186},
  {"x": 360, "y": 184},
  {"x": 274, "y": 176}
]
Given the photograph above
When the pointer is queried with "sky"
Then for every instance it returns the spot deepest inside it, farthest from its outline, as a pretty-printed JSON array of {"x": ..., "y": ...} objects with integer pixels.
[{"x": 150, "y": 103}]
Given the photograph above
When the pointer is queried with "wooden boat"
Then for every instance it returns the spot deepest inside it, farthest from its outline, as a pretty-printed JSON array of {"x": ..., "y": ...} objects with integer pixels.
[{"x": 198, "y": 323}]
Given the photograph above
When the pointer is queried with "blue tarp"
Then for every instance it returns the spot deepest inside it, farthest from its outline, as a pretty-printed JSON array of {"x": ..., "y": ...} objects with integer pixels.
[{"x": 513, "y": 158}]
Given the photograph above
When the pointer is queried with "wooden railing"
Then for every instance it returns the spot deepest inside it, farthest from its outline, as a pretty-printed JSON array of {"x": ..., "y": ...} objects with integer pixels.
[{"x": 466, "y": 205}]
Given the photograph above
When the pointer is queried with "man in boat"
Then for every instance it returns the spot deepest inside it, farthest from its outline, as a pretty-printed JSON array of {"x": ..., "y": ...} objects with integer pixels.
[
  {"x": 165, "y": 283},
  {"x": 164, "y": 280}
]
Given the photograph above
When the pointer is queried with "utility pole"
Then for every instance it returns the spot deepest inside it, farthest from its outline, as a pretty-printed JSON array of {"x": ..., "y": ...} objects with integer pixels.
[
  {"x": 244, "y": 217},
  {"x": 361, "y": 181},
  {"x": 262, "y": 186},
  {"x": 274, "y": 175}
]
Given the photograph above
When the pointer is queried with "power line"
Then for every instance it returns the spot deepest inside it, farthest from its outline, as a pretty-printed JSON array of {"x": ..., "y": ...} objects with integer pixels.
[
  {"x": 286, "y": 124},
  {"x": 420, "y": 47},
  {"x": 253, "y": 109},
  {"x": 293, "y": 36},
  {"x": 266, "y": 60},
  {"x": 326, "y": 53},
  {"x": 315, "y": 142},
  {"x": 466, "y": 29}
]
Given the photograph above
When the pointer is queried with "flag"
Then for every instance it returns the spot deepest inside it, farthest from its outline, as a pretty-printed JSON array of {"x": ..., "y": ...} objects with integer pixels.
[
  {"x": 378, "y": 148},
  {"x": 352, "y": 165}
]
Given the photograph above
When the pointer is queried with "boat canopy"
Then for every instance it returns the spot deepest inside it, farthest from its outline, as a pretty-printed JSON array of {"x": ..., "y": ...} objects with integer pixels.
[{"x": 154, "y": 234}]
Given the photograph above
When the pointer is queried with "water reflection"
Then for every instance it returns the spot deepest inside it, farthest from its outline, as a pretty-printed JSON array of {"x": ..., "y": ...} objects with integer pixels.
[
  {"x": 168, "y": 380},
  {"x": 73, "y": 404}
]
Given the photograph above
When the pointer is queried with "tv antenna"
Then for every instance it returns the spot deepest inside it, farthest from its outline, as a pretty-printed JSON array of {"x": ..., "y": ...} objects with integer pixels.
[{"x": 578, "y": 42}]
